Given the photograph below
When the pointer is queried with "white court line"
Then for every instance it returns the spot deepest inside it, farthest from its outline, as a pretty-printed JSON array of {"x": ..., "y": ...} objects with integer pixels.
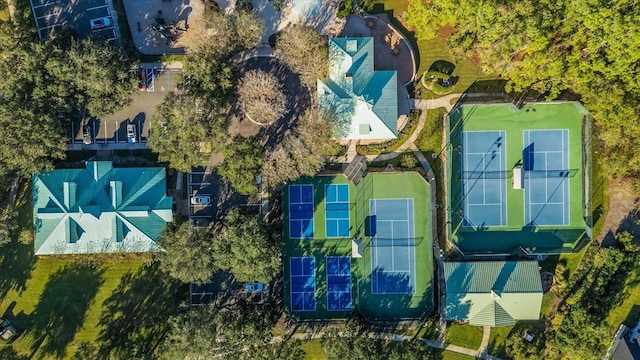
[
  {"x": 48, "y": 27},
  {"x": 97, "y": 7},
  {"x": 45, "y": 16},
  {"x": 43, "y": 5}
]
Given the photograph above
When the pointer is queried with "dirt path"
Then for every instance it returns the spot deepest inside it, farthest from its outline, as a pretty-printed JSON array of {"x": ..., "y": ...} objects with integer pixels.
[{"x": 622, "y": 214}]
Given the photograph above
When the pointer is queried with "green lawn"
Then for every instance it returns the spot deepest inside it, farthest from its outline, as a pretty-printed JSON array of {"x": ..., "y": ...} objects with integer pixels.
[
  {"x": 57, "y": 302},
  {"x": 468, "y": 336},
  {"x": 428, "y": 51},
  {"x": 430, "y": 143},
  {"x": 628, "y": 311},
  {"x": 497, "y": 339},
  {"x": 313, "y": 350},
  {"x": 450, "y": 355}
]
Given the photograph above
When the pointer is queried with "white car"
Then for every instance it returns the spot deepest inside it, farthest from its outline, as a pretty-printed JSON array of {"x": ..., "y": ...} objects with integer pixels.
[
  {"x": 131, "y": 133},
  {"x": 100, "y": 23},
  {"x": 200, "y": 200}
]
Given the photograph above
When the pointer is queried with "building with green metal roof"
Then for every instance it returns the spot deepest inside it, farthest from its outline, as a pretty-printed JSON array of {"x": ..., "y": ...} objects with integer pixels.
[
  {"x": 492, "y": 293},
  {"x": 99, "y": 209},
  {"x": 364, "y": 100}
]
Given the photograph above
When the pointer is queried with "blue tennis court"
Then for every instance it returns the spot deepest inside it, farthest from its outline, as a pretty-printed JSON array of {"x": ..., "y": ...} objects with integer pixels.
[
  {"x": 338, "y": 283},
  {"x": 392, "y": 246},
  {"x": 301, "y": 211},
  {"x": 337, "y": 220},
  {"x": 546, "y": 177},
  {"x": 483, "y": 180},
  {"x": 303, "y": 283}
]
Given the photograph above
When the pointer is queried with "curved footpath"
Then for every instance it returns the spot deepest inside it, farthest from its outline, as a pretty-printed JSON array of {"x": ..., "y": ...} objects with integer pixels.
[{"x": 477, "y": 353}]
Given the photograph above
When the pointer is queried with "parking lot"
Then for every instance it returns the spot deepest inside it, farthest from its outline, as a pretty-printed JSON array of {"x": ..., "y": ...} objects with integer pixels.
[
  {"x": 201, "y": 186},
  {"x": 157, "y": 81},
  {"x": 53, "y": 15}
]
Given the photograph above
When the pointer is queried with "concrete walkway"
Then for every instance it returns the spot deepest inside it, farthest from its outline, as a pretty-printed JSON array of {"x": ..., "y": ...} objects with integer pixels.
[
  {"x": 423, "y": 105},
  {"x": 392, "y": 337},
  {"x": 483, "y": 349},
  {"x": 260, "y": 51}
]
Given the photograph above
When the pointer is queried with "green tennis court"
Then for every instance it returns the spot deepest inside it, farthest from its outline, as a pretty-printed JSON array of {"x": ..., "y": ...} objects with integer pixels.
[
  {"x": 518, "y": 179},
  {"x": 346, "y": 243}
]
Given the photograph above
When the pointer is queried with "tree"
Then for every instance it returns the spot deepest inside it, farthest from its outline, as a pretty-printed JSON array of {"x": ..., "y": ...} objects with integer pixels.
[
  {"x": 627, "y": 242},
  {"x": 246, "y": 249},
  {"x": 242, "y": 164},
  {"x": 248, "y": 28},
  {"x": 88, "y": 75},
  {"x": 517, "y": 348},
  {"x": 302, "y": 152},
  {"x": 352, "y": 345},
  {"x": 184, "y": 130},
  {"x": 44, "y": 84},
  {"x": 191, "y": 335},
  {"x": 551, "y": 46},
  {"x": 233, "y": 333},
  {"x": 188, "y": 253},
  {"x": 305, "y": 52},
  {"x": 261, "y": 97}
]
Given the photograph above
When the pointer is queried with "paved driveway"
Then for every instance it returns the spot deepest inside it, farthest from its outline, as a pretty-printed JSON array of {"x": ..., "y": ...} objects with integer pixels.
[
  {"x": 53, "y": 15},
  {"x": 160, "y": 79}
]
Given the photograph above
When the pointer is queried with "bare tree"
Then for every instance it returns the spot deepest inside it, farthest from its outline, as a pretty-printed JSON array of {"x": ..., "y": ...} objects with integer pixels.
[
  {"x": 261, "y": 97},
  {"x": 305, "y": 52}
]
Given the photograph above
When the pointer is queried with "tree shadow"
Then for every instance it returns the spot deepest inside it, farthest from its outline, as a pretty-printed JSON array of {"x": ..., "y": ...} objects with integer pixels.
[
  {"x": 134, "y": 317},
  {"x": 443, "y": 66},
  {"x": 62, "y": 308},
  {"x": 17, "y": 260}
]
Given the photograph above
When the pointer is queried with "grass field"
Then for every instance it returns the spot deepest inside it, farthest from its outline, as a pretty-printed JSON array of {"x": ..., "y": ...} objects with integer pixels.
[
  {"x": 373, "y": 186},
  {"x": 58, "y": 302},
  {"x": 429, "y": 52},
  {"x": 466, "y": 335},
  {"x": 516, "y": 233},
  {"x": 497, "y": 339}
]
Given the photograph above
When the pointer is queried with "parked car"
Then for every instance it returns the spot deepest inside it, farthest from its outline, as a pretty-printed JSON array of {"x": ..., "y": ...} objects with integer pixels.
[
  {"x": 253, "y": 287},
  {"x": 200, "y": 200},
  {"x": 6, "y": 330},
  {"x": 100, "y": 23},
  {"x": 87, "y": 131},
  {"x": 7, "y": 333},
  {"x": 131, "y": 133}
]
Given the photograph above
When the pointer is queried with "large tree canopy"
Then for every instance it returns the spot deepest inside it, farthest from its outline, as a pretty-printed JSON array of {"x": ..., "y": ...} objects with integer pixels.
[
  {"x": 302, "y": 152},
  {"x": 240, "y": 333},
  {"x": 305, "y": 52},
  {"x": 184, "y": 130},
  {"x": 246, "y": 249},
  {"x": 242, "y": 163},
  {"x": 44, "y": 84},
  {"x": 188, "y": 254},
  {"x": 589, "y": 47},
  {"x": 212, "y": 40}
]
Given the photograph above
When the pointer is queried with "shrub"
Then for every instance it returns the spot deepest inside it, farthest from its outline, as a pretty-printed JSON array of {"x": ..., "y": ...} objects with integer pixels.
[{"x": 344, "y": 9}]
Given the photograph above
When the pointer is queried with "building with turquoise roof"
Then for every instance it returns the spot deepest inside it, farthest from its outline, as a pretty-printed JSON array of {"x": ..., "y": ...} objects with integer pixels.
[
  {"x": 99, "y": 209},
  {"x": 364, "y": 100},
  {"x": 492, "y": 293}
]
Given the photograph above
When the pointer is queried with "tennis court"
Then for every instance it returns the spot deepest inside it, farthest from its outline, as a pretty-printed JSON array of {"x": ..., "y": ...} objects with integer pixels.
[
  {"x": 546, "y": 177},
  {"x": 338, "y": 283},
  {"x": 392, "y": 246},
  {"x": 337, "y": 221},
  {"x": 301, "y": 211},
  {"x": 483, "y": 180},
  {"x": 303, "y": 283}
]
